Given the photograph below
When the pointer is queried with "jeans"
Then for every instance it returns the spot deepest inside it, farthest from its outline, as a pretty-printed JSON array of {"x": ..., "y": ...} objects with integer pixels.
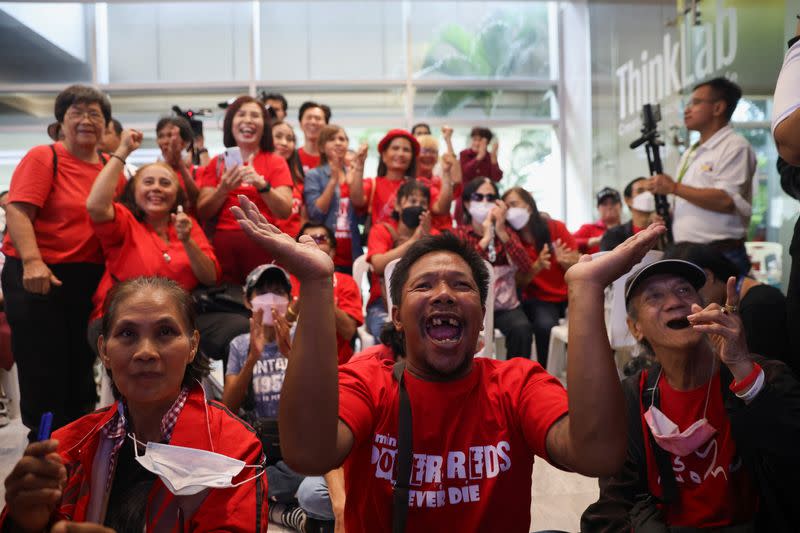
[
  {"x": 517, "y": 331},
  {"x": 543, "y": 316},
  {"x": 285, "y": 485},
  {"x": 377, "y": 316}
]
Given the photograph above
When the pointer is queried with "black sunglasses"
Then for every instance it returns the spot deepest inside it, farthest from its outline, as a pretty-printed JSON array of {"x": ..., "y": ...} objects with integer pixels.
[
  {"x": 478, "y": 197},
  {"x": 319, "y": 239}
]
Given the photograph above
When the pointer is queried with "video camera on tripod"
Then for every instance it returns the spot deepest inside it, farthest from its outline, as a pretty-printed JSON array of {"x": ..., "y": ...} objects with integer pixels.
[
  {"x": 651, "y": 116},
  {"x": 189, "y": 115}
]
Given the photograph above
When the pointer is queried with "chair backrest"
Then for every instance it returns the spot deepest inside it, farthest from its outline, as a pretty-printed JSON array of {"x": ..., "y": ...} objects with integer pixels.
[
  {"x": 766, "y": 260},
  {"x": 360, "y": 270},
  {"x": 617, "y": 325},
  {"x": 488, "y": 318},
  {"x": 387, "y": 278}
]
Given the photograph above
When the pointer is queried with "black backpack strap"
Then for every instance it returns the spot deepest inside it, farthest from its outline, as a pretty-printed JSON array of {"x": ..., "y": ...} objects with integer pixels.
[
  {"x": 55, "y": 160},
  {"x": 404, "y": 454},
  {"x": 669, "y": 486},
  {"x": 103, "y": 158}
]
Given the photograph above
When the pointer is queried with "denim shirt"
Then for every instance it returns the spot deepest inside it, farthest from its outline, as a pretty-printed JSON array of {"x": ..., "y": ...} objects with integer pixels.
[{"x": 315, "y": 182}]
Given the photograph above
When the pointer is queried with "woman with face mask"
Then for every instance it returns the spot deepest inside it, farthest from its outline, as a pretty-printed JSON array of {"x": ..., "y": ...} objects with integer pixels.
[
  {"x": 485, "y": 228},
  {"x": 161, "y": 458},
  {"x": 551, "y": 248},
  {"x": 329, "y": 190},
  {"x": 389, "y": 240}
]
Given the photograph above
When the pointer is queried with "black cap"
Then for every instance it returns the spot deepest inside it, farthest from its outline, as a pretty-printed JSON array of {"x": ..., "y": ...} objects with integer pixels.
[
  {"x": 608, "y": 192},
  {"x": 678, "y": 267},
  {"x": 260, "y": 272}
]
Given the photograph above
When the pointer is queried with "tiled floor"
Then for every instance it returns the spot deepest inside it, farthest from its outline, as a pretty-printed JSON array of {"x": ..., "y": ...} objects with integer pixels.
[{"x": 558, "y": 498}]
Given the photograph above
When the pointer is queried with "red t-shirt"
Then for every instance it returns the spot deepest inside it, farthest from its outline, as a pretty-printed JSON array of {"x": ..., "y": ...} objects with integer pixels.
[
  {"x": 380, "y": 241},
  {"x": 474, "y": 442},
  {"x": 586, "y": 232},
  {"x": 307, "y": 160},
  {"x": 62, "y": 226},
  {"x": 715, "y": 489},
  {"x": 133, "y": 249},
  {"x": 381, "y": 352},
  {"x": 383, "y": 198},
  {"x": 548, "y": 285},
  {"x": 441, "y": 222},
  {"x": 272, "y": 167},
  {"x": 346, "y": 297},
  {"x": 291, "y": 226}
]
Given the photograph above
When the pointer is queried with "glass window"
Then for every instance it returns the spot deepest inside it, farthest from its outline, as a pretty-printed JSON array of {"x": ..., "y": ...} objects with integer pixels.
[
  {"x": 50, "y": 42},
  {"x": 332, "y": 40},
  {"x": 487, "y": 103},
  {"x": 179, "y": 42},
  {"x": 492, "y": 40}
]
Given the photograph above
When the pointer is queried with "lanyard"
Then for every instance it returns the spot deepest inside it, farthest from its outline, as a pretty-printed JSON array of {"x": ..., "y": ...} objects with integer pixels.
[{"x": 686, "y": 162}]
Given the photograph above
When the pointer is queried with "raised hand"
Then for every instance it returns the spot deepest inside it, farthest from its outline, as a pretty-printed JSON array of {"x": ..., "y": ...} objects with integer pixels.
[
  {"x": 448, "y": 160},
  {"x": 34, "y": 487},
  {"x": 130, "y": 140},
  {"x": 724, "y": 328},
  {"x": 174, "y": 149},
  {"x": 361, "y": 155},
  {"x": 231, "y": 178},
  {"x": 447, "y": 132},
  {"x": 183, "y": 224},
  {"x": 602, "y": 271},
  {"x": 302, "y": 258},
  {"x": 424, "y": 227},
  {"x": 283, "y": 334},
  {"x": 257, "y": 338},
  {"x": 251, "y": 176},
  {"x": 543, "y": 261}
]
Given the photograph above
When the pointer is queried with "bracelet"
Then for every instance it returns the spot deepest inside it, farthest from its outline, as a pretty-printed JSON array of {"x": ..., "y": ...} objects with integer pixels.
[
  {"x": 118, "y": 157},
  {"x": 265, "y": 189},
  {"x": 739, "y": 386},
  {"x": 748, "y": 396}
]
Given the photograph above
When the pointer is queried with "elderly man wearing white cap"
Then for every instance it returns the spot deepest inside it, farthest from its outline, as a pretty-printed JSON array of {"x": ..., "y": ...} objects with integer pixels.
[{"x": 712, "y": 428}]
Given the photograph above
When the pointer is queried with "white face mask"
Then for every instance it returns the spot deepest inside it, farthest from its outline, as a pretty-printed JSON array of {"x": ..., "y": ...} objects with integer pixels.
[
  {"x": 186, "y": 471},
  {"x": 517, "y": 217},
  {"x": 644, "y": 201},
  {"x": 267, "y": 302},
  {"x": 480, "y": 210}
]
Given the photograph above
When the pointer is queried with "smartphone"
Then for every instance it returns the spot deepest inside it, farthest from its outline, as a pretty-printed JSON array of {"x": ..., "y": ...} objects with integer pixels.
[
  {"x": 232, "y": 157},
  {"x": 45, "y": 424}
]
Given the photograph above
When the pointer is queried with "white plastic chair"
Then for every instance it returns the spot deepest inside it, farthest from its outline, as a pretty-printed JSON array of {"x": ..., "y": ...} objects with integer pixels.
[
  {"x": 360, "y": 270},
  {"x": 387, "y": 277},
  {"x": 9, "y": 379},
  {"x": 766, "y": 260},
  {"x": 557, "y": 349}
]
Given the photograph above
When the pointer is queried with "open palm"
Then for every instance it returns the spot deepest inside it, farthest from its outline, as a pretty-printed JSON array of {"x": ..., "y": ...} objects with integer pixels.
[{"x": 304, "y": 259}]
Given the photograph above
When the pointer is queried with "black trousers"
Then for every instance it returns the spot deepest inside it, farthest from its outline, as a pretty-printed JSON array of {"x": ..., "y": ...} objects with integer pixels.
[
  {"x": 543, "y": 316},
  {"x": 48, "y": 340},
  {"x": 517, "y": 331}
]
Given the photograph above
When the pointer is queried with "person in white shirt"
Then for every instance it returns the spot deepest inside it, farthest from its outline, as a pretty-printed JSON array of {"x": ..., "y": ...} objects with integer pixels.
[
  {"x": 713, "y": 190},
  {"x": 786, "y": 104}
]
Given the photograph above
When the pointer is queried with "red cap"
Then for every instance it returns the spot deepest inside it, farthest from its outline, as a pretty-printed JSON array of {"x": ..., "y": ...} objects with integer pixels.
[{"x": 392, "y": 134}]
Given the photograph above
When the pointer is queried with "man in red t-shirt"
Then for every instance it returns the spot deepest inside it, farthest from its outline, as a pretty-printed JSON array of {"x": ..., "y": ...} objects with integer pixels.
[
  {"x": 610, "y": 208},
  {"x": 312, "y": 117},
  {"x": 712, "y": 434},
  {"x": 476, "y": 423}
]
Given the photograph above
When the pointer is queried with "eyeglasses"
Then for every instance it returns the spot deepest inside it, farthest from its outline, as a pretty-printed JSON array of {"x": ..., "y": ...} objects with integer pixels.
[
  {"x": 78, "y": 114},
  {"x": 319, "y": 239},
  {"x": 478, "y": 197}
]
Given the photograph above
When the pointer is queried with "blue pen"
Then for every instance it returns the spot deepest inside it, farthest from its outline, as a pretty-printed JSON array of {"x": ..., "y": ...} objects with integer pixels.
[{"x": 44, "y": 426}]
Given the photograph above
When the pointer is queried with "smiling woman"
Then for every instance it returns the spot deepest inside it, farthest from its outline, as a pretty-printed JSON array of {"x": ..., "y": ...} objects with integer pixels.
[
  {"x": 54, "y": 261},
  {"x": 98, "y": 468}
]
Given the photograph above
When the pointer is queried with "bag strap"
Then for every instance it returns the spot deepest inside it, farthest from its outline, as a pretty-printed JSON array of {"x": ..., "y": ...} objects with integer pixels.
[
  {"x": 404, "y": 454},
  {"x": 391, "y": 231},
  {"x": 55, "y": 160}
]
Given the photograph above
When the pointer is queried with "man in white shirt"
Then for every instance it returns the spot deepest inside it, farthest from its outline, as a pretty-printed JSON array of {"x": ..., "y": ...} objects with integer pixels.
[{"x": 713, "y": 190}]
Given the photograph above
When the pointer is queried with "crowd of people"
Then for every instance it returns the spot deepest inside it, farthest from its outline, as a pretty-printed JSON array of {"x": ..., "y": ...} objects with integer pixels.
[{"x": 247, "y": 256}]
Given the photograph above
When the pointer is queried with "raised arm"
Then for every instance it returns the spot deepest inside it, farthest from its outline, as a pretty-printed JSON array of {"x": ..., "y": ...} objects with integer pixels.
[
  {"x": 356, "y": 178},
  {"x": 592, "y": 439},
  {"x": 100, "y": 202},
  {"x": 313, "y": 440}
]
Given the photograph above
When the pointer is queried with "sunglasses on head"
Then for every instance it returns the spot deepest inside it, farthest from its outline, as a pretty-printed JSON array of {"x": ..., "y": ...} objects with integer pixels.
[{"x": 478, "y": 197}]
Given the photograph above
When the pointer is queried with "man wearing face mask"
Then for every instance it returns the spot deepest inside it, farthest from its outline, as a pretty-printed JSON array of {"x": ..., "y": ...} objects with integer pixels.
[
  {"x": 712, "y": 428},
  {"x": 389, "y": 240},
  {"x": 642, "y": 205}
]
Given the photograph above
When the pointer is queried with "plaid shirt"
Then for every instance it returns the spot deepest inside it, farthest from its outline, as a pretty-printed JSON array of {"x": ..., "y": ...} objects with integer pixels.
[
  {"x": 512, "y": 252},
  {"x": 117, "y": 428}
]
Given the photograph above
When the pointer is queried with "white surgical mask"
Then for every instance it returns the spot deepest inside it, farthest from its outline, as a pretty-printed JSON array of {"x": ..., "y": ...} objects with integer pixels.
[
  {"x": 644, "y": 201},
  {"x": 186, "y": 471},
  {"x": 267, "y": 302},
  {"x": 479, "y": 211},
  {"x": 517, "y": 217}
]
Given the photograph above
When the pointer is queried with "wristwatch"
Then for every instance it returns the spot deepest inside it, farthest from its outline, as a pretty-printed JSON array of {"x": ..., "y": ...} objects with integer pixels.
[{"x": 266, "y": 188}]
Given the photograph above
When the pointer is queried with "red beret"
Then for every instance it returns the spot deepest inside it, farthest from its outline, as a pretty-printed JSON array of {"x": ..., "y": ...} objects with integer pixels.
[{"x": 393, "y": 134}]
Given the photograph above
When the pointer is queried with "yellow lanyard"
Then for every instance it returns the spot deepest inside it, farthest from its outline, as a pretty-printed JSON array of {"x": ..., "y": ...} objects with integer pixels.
[{"x": 686, "y": 162}]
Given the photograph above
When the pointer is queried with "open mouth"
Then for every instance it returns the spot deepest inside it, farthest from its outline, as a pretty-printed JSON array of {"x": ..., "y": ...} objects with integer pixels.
[
  {"x": 247, "y": 131},
  {"x": 444, "y": 330},
  {"x": 678, "y": 323}
]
